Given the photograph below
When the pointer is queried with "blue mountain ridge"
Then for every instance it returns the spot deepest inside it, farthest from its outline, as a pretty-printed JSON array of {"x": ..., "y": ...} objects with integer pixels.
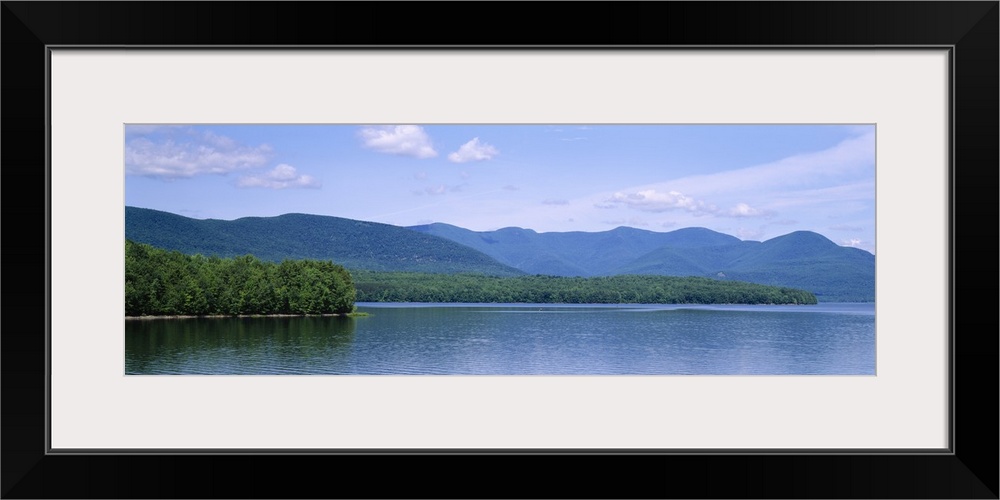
[
  {"x": 351, "y": 243},
  {"x": 801, "y": 259}
]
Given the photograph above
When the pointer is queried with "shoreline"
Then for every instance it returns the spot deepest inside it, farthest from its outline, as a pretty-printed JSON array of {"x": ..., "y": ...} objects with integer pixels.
[{"x": 218, "y": 316}]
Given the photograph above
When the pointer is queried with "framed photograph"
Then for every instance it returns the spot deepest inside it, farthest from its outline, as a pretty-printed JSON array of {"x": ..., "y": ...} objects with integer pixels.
[
  {"x": 710, "y": 250},
  {"x": 799, "y": 133}
]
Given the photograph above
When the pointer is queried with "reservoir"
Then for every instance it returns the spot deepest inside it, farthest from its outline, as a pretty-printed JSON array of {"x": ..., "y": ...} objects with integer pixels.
[{"x": 516, "y": 339}]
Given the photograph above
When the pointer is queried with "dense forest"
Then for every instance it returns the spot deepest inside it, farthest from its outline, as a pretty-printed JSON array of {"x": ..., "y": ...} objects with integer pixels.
[
  {"x": 162, "y": 282},
  {"x": 628, "y": 289},
  {"x": 167, "y": 282}
]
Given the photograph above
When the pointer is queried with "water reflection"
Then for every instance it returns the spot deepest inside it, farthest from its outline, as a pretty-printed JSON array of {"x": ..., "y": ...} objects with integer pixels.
[
  {"x": 518, "y": 340},
  {"x": 236, "y": 345}
]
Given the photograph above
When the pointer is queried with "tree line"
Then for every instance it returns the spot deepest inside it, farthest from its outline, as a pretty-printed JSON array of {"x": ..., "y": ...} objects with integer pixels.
[
  {"x": 162, "y": 282},
  {"x": 375, "y": 286}
]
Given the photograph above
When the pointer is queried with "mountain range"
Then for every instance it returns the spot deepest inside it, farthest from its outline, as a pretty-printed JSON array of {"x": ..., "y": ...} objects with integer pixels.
[
  {"x": 800, "y": 259},
  {"x": 351, "y": 243}
]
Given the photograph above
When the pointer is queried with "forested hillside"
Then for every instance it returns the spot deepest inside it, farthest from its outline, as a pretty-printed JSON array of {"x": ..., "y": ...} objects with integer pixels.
[
  {"x": 350, "y": 243},
  {"x": 801, "y": 259}
]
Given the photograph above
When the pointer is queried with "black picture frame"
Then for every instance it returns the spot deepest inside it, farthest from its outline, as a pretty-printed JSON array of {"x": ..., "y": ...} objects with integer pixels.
[{"x": 969, "y": 28}]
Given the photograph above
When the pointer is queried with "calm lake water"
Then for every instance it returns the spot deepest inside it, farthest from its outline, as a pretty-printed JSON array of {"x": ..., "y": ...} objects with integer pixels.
[{"x": 516, "y": 339}]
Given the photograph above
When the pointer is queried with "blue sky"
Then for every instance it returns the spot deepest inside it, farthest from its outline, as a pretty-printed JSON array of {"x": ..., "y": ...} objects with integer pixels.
[{"x": 751, "y": 181}]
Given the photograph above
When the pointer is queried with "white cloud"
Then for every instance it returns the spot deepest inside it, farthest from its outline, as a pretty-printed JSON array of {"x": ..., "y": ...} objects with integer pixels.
[
  {"x": 750, "y": 234},
  {"x": 858, "y": 243},
  {"x": 511, "y": 187},
  {"x": 631, "y": 222},
  {"x": 406, "y": 140},
  {"x": 848, "y": 161},
  {"x": 473, "y": 151},
  {"x": 650, "y": 200},
  {"x": 846, "y": 227},
  {"x": 744, "y": 210},
  {"x": 281, "y": 177},
  {"x": 838, "y": 180},
  {"x": 555, "y": 202},
  {"x": 194, "y": 154}
]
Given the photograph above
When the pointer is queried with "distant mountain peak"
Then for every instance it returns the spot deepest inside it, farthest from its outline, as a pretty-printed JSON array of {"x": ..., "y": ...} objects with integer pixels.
[{"x": 800, "y": 237}]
